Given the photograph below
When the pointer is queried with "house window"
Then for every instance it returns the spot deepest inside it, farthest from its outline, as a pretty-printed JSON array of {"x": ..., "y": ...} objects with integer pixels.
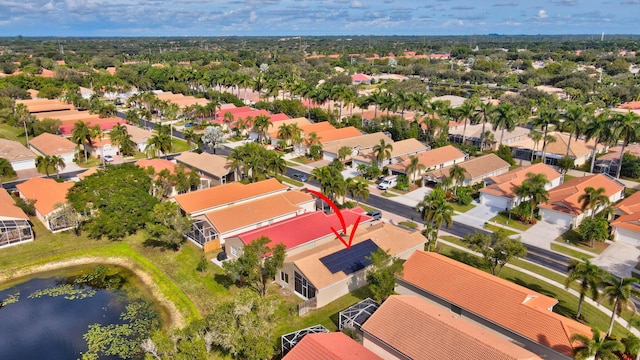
[
  {"x": 303, "y": 287},
  {"x": 234, "y": 251},
  {"x": 284, "y": 276}
]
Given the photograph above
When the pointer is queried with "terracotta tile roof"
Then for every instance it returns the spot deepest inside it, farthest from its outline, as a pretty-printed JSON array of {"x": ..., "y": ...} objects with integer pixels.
[
  {"x": 8, "y": 208},
  {"x": 301, "y": 122},
  {"x": 138, "y": 135},
  {"x": 67, "y": 115},
  {"x": 14, "y": 151},
  {"x": 50, "y": 144},
  {"x": 579, "y": 148},
  {"x": 209, "y": 163},
  {"x": 431, "y": 158},
  {"x": 449, "y": 336},
  {"x": 629, "y": 210},
  {"x": 105, "y": 124},
  {"x": 87, "y": 173},
  {"x": 633, "y": 105},
  {"x": 329, "y": 346},
  {"x": 317, "y": 127},
  {"x": 400, "y": 148},
  {"x": 238, "y": 216},
  {"x": 475, "y": 167},
  {"x": 360, "y": 77},
  {"x": 226, "y": 194},
  {"x": 304, "y": 228},
  {"x": 388, "y": 237},
  {"x": 564, "y": 198},
  {"x": 157, "y": 165},
  {"x": 43, "y": 105},
  {"x": 504, "y": 185},
  {"x": 46, "y": 192},
  {"x": 355, "y": 142},
  {"x": 506, "y": 304},
  {"x": 474, "y": 131},
  {"x": 614, "y": 152},
  {"x": 333, "y": 135}
]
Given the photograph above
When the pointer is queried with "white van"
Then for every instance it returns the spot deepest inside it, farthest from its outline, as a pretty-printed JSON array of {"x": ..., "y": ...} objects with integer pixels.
[{"x": 388, "y": 182}]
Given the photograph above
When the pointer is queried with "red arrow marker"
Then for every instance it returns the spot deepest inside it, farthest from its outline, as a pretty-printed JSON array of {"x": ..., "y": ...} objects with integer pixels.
[{"x": 342, "y": 222}]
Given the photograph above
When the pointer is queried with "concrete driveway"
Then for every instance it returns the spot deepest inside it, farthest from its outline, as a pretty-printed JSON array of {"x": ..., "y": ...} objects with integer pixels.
[
  {"x": 618, "y": 259},
  {"x": 542, "y": 234},
  {"x": 412, "y": 198},
  {"x": 477, "y": 216}
]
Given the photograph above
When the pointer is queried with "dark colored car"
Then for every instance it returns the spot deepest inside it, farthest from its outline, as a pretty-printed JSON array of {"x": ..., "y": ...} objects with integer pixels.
[
  {"x": 375, "y": 214},
  {"x": 300, "y": 177}
]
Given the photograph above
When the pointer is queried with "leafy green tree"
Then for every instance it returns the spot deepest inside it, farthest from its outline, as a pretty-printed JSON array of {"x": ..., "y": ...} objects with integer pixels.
[
  {"x": 497, "y": 249},
  {"x": 504, "y": 153},
  {"x": 382, "y": 275},
  {"x": 168, "y": 225},
  {"x": 566, "y": 163},
  {"x": 258, "y": 264},
  {"x": 594, "y": 229},
  {"x": 597, "y": 347},
  {"x": 546, "y": 118},
  {"x": 6, "y": 169},
  {"x": 620, "y": 294},
  {"x": 158, "y": 143},
  {"x": 506, "y": 118},
  {"x": 116, "y": 201},
  {"x": 588, "y": 275}
]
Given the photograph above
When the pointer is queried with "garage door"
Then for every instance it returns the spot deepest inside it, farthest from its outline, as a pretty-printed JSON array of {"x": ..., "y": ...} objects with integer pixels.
[
  {"x": 553, "y": 217},
  {"x": 493, "y": 201}
]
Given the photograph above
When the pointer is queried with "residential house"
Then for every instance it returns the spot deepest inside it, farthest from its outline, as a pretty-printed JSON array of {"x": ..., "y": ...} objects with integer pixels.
[
  {"x": 476, "y": 170},
  {"x": 49, "y": 144},
  {"x": 355, "y": 143},
  {"x": 580, "y": 150},
  {"x": 17, "y": 154},
  {"x": 401, "y": 149},
  {"x": 499, "y": 192},
  {"x": 213, "y": 169},
  {"x": 564, "y": 208},
  {"x": 608, "y": 163},
  {"x": 158, "y": 165},
  {"x": 298, "y": 234},
  {"x": 329, "y": 346},
  {"x": 626, "y": 225},
  {"x": 275, "y": 129},
  {"x": 473, "y": 135},
  {"x": 360, "y": 79},
  {"x": 139, "y": 136},
  {"x": 44, "y": 105},
  {"x": 14, "y": 223},
  {"x": 449, "y": 335},
  {"x": 50, "y": 199},
  {"x": 522, "y": 316},
  {"x": 433, "y": 159},
  {"x": 329, "y": 271},
  {"x": 105, "y": 125}
]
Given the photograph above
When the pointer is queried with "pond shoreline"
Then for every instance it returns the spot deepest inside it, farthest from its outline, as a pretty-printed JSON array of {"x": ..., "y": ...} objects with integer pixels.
[{"x": 175, "y": 318}]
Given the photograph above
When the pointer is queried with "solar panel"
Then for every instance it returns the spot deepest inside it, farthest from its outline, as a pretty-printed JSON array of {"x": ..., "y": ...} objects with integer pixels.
[{"x": 350, "y": 260}]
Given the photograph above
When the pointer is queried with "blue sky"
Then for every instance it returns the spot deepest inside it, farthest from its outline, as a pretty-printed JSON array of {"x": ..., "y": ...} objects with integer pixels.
[{"x": 315, "y": 17}]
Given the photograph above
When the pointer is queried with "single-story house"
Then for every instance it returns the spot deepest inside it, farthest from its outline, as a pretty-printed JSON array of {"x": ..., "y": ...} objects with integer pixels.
[
  {"x": 356, "y": 143},
  {"x": 105, "y": 125},
  {"x": 299, "y": 233},
  {"x": 329, "y": 346},
  {"x": 563, "y": 207},
  {"x": 358, "y": 79},
  {"x": 139, "y": 136},
  {"x": 213, "y": 169},
  {"x": 17, "y": 154},
  {"x": 14, "y": 223},
  {"x": 275, "y": 129},
  {"x": 385, "y": 333},
  {"x": 608, "y": 163},
  {"x": 44, "y": 105},
  {"x": 49, "y": 144},
  {"x": 433, "y": 159},
  {"x": 401, "y": 149},
  {"x": 199, "y": 202},
  {"x": 473, "y": 135},
  {"x": 329, "y": 271},
  {"x": 499, "y": 192},
  {"x": 626, "y": 225},
  {"x": 476, "y": 170},
  {"x": 580, "y": 150},
  {"x": 211, "y": 229},
  {"x": 523, "y": 316},
  {"x": 51, "y": 205}
]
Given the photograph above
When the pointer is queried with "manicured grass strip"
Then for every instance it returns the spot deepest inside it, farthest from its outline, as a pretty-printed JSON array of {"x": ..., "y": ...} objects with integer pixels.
[
  {"x": 570, "y": 252},
  {"x": 388, "y": 194},
  {"x": 574, "y": 238},
  {"x": 503, "y": 219},
  {"x": 461, "y": 208},
  {"x": 494, "y": 228}
]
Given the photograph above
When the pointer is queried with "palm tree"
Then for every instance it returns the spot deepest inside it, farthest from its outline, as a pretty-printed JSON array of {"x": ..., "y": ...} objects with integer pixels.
[
  {"x": 262, "y": 123},
  {"x": 597, "y": 347},
  {"x": 57, "y": 162},
  {"x": 546, "y": 118},
  {"x": 483, "y": 113},
  {"x": 382, "y": 151},
  {"x": 438, "y": 212},
  {"x": 360, "y": 190},
  {"x": 189, "y": 135},
  {"x": 312, "y": 139},
  {"x": 81, "y": 135},
  {"x": 457, "y": 174},
  {"x": 626, "y": 127},
  {"x": 276, "y": 163},
  {"x": 22, "y": 115},
  {"x": 159, "y": 142},
  {"x": 343, "y": 153},
  {"x": 332, "y": 182},
  {"x": 588, "y": 275},
  {"x": 44, "y": 164},
  {"x": 414, "y": 166},
  {"x": 598, "y": 128},
  {"x": 534, "y": 189},
  {"x": 465, "y": 112},
  {"x": 619, "y": 293},
  {"x": 573, "y": 123},
  {"x": 593, "y": 199},
  {"x": 505, "y": 118},
  {"x": 536, "y": 137}
]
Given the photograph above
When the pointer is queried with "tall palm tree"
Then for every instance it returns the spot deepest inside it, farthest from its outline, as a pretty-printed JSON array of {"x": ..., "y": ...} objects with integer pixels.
[
  {"x": 619, "y": 293},
  {"x": 22, "y": 115},
  {"x": 262, "y": 123},
  {"x": 573, "y": 123},
  {"x": 533, "y": 189},
  {"x": 382, "y": 151},
  {"x": 377, "y": 99},
  {"x": 588, "y": 275},
  {"x": 593, "y": 199},
  {"x": 81, "y": 135},
  {"x": 414, "y": 166},
  {"x": 505, "y": 118},
  {"x": 598, "y": 128},
  {"x": 276, "y": 163},
  {"x": 159, "y": 142},
  {"x": 598, "y": 347},
  {"x": 360, "y": 190},
  {"x": 332, "y": 183},
  {"x": 189, "y": 135},
  {"x": 57, "y": 163},
  {"x": 437, "y": 212},
  {"x": 547, "y": 117},
  {"x": 483, "y": 113},
  {"x": 457, "y": 174},
  {"x": 536, "y": 137},
  {"x": 465, "y": 112},
  {"x": 343, "y": 153},
  {"x": 44, "y": 164},
  {"x": 627, "y": 128}
]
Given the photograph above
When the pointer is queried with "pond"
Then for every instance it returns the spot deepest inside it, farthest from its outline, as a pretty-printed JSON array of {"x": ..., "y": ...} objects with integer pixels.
[{"x": 49, "y": 315}]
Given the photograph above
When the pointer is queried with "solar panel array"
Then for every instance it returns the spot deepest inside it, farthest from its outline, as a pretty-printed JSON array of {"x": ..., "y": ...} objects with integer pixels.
[{"x": 350, "y": 260}]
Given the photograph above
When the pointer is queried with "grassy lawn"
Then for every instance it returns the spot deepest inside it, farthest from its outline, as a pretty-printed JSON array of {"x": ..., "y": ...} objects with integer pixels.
[
  {"x": 568, "y": 177},
  {"x": 302, "y": 160},
  {"x": 289, "y": 180},
  {"x": 629, "y": 191},
  {"x": 495, "y": 228},
  {"x": 573, "y": 238},
  {"x": 178, "y": 145},
  {"x": 12, "y": 133},
  {"x": 388, "y": 194},
  {"x": 409, "y": 224},
  {"x": 461, "y": 208},
  {"x": 503, "y": 219},
  {"x": 570, "y": 252}
]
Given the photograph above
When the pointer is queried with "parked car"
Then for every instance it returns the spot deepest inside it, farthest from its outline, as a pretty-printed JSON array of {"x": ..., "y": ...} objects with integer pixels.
[
  {"x": 388, "y": 182},
  {"x": 108, "y": 158},
  {"x": 188, "y": 125},
  {"x": 375, "y": 214},
  {"x": 300, "y": 177}
]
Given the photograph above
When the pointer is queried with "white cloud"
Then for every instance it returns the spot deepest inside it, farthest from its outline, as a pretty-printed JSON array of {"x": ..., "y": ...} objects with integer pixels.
[
  {"x": 48, "y": 6},
  {"x": 542, "y": 14},
  {"x": 252, "y": 16},
  {"x": 356, "y": 4}
]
